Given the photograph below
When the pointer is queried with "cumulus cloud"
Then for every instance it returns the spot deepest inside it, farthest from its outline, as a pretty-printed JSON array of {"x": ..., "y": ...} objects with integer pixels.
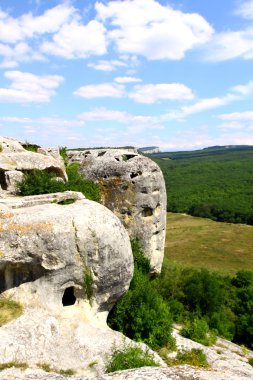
[
  {"x": 27, "y": 25},
  {"x": 151, "y": 93},
  {"x": 29, "y": 88},
  {"x": 111, "y": 90},
  {"x": 147, "y": 28},
  {"x": 75, "y": 40}
]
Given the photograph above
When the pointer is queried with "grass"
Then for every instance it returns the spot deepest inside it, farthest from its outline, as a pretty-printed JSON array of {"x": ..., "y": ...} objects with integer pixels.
[
  {"x": 47, "y": 368},
  {"x": 9, "y": 310},
  {"x": 15, "y": 364},
  {"x": 201, "y": 242},
  {"x": 194, "y": 357}
]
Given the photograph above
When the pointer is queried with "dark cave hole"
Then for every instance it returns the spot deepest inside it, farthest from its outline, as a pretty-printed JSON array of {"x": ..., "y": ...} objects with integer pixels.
[
  {"x": 69, "y": 296},
  {"x": 3, "y": 183}
]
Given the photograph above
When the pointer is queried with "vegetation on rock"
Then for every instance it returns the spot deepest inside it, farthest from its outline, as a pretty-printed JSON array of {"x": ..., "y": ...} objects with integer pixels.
[
  {"x": 141, "y": 314},
  {"x": 43, "y": 182},
  {"x": 129, "y": 357},
  {"x": 9, "y": 310}
]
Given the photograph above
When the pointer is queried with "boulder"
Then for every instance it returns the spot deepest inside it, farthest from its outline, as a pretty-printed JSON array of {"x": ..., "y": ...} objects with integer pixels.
[
  {"x": 55, "y": 250},
  {"x": 133, "y": 188},
  {"x": 67, "y": 264},
  {"x": 14, "y": 160}
]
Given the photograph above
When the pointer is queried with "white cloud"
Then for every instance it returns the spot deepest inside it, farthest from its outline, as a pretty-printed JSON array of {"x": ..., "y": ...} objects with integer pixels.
[
  {"x": 206, "y": 104},
  {"x": 237, "y": 116},
  {"x": 29, "y": 88},
  {"x": 104, "y": 65},
  {"x": 236, "y": 93},
  {"x": 101, "y": 90},
  {"x": 151, "y": 93},
  {"x": 230, "y": 45},
  {"x": 245, "y": 10},
  {"x": 237, "y": 120},
  {"x": 75, "y": 40},
  {"x": 147, "y": 28},
  {"x": 244, "y": 89},
  {"x": 13, "y": 30},
  {"x": 127, "y": 79},
  {"x": 105, "y": 114},
  {"x": 21, "y": 52}
]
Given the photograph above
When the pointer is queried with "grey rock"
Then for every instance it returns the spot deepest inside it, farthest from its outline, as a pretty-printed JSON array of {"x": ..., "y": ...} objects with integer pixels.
[
  {"x": 48, "y": 248},
  {"x": 133, "y": 188},
  {"x": 67, "y": 265}
]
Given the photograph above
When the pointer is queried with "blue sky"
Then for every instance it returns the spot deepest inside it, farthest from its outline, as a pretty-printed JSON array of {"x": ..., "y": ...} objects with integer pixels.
[{"x": 82, "y": 73}]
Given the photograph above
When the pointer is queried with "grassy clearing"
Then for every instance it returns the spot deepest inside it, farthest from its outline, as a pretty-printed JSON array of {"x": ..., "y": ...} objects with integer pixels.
[
  {"x": 199, "y": 242},
  {"x": 9, "y": 310}
]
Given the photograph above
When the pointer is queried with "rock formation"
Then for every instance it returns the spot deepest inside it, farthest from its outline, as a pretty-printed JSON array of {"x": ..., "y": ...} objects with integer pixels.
[
  {"x": 133, "y": 188},
  {"x": 51, "y": 247},
  {"x": 15, "y": 160},
  {"x": 54, "y": 255}
]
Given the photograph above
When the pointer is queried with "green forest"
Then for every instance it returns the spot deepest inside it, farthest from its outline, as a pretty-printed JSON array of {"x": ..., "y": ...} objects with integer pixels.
[{"x": 215, "y": 183}]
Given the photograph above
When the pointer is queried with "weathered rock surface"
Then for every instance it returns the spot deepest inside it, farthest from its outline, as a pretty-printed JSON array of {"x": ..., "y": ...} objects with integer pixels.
[
  {"x": 133, "y": 188},
  {"x": 67, "y": 265},
  {"x": 14, "y": 160},
  {"x": 47, "y": 248}
]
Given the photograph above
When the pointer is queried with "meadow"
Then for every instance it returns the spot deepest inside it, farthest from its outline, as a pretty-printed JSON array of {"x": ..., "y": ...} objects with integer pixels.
[{"x": 204, "y": 243}]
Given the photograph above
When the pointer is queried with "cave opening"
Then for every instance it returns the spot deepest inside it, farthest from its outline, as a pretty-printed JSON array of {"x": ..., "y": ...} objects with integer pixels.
[
  {"x": 69, "y": 297},
  {"x": 3, "y": 183}
]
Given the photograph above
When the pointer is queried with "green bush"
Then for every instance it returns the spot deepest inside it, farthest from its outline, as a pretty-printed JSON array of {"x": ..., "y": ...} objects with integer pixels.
[
  {"x": 43, "y": 182},
  {"x": 39, "y": 182},
  {"x": 194, "y": 357},
  {"x": 129, "y": 357},
  {"x": 141, "y": 314},
  {"x": 198, "y": 330}
]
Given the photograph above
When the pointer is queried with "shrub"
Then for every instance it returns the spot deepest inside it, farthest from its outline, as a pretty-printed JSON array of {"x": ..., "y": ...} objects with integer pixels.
[
  {"x": 250, "y": 361},
  {"x": 129, "y": 357},
  {"x": 39, "y": 182},
  {"x": 63, "y": 154},
  {"x": 76, "y": 182},
  {"x": 9, "y": 310},
  {"x": 141, "y": 314},
  {"x": 198, "y": 330},
  {"x": 194, "y": 357},
  {"x": 43, "y": 182}
]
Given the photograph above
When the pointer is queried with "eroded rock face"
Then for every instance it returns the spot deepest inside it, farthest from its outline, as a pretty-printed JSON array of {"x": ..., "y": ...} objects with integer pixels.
[
  {"x": 67, "y": 264},
  {"x": 133, "y": 188},
  {"x": 47, "y": 248},
  {"x": 14, "y": 160}
]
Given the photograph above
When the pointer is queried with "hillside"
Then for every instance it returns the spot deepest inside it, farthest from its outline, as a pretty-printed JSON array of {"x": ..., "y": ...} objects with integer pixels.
[
  {"x": 216, "y": 182},
  {"x": 207, "y": 244}
]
